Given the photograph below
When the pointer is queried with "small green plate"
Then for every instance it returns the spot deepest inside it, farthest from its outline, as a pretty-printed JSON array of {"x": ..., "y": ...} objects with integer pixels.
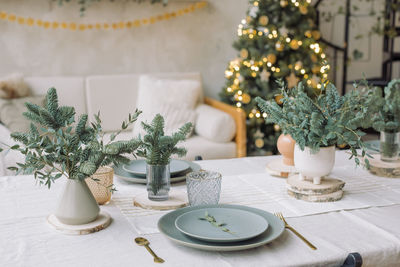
[
  {"x": 373, "y": 145},
  {"x": 120, "y": 173},
  {"x": 138, "y": 167},
  {"x": 241, "y": 224},
  {"x": 166, "y": 225}
]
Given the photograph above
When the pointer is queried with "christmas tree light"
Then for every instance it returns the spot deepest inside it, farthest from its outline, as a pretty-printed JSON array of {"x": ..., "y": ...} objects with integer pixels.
[{"x": 277, "y": 40}]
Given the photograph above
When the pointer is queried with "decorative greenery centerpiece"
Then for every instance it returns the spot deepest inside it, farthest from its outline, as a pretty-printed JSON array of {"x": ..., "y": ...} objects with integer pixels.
[
  {"x": 55, "y": 147},
  {"x": 386, "y": 118},
  {"x": 157, "y": 148},
  {"x": 327, "y": 120}
]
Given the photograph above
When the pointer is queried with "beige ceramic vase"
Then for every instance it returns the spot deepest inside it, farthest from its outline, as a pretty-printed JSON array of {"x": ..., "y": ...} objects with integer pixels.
[
  {"x": 77, "y": 204},
  {"x": 285, "y": 146}
]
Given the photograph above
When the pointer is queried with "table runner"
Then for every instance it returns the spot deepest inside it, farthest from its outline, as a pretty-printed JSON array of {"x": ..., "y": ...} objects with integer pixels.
[{"x": 258, "y": 189}]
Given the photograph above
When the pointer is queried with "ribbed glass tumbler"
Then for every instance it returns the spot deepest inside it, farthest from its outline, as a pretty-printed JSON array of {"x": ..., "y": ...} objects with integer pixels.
[{"x": 203, "y": 187}]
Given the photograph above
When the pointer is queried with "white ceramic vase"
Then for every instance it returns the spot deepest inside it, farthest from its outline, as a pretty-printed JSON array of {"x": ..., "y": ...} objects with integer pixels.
[
  {"x": 314, "y": 166},
  {"x": 77, "y": 204}
]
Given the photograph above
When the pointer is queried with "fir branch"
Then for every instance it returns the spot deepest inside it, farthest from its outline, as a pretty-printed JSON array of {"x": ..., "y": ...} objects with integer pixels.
[
  {"x": 74, "y": 154},
  {"x": 156, "y": 147}
]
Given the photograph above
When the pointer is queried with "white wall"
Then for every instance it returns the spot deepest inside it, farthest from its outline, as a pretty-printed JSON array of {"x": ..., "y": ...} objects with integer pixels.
[{"x": 201, "y": 41}]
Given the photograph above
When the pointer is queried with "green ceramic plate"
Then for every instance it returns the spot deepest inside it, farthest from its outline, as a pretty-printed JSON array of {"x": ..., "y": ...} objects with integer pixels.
[
  {"x": 241, "y": 224},
  {"x": 120, "y": 173},
  {"x": 138, "y": 167},
  {"x": 373, "y": 145},
  {"x": 166, "y": 225}
]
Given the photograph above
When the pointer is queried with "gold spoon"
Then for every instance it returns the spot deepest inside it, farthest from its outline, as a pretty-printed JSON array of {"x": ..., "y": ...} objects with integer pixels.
[{"x": 141, "y": 241}]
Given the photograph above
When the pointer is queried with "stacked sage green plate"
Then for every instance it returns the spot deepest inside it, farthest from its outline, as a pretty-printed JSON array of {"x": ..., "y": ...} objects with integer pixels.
[
  {"x": 221, "y": 227},
  {"x": 135, "y": 171}
]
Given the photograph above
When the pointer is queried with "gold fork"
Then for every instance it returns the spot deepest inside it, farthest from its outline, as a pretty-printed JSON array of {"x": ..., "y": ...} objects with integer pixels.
[{"x": 287, "y": 226}]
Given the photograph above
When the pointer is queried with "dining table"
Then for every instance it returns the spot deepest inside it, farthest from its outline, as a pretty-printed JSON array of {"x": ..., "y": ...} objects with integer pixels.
[{"x": 366, "y": 220}]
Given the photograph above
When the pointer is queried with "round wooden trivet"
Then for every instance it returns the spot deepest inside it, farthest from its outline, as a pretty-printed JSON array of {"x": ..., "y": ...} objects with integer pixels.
[
  {"x": 176, "y": 200},
  {"x": 384, "y": 168},
  {"x": 328, "y": 185},
  {"x": 279, "y": 169},
  {"x": 102, "y": 222},
  {"x": 335, "y": 196}
]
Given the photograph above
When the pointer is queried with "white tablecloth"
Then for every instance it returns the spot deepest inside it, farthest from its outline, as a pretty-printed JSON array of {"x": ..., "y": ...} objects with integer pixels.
[{"x": 366, "y": 220}]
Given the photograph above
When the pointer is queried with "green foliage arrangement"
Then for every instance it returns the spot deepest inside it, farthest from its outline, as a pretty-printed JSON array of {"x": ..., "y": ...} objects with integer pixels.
[
  {"x": 386, "y": 108},
  {"x": 84, "y": 4},
  {"x": 327, "y": 120},
  {"x": 156, "y": 147},
  {"x": 54, "y": 147}
]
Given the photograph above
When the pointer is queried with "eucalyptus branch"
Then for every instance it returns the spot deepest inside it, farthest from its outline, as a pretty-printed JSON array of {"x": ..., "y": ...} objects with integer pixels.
[{"x": 308, "y": 123}]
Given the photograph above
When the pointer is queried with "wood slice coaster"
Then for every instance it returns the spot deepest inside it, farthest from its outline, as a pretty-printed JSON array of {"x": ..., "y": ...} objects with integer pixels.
[
  {"x": 176, "y": 200},
  {"x": 384, "y": 168},
  {"x": 279, "y": 169},
  {"x": 328, "y": 185},
  {"x": 102, "y": 222},
  {"x": 335, "y": 196}
]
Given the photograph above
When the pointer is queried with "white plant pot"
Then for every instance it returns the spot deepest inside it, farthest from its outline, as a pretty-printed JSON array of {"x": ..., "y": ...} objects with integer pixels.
[
  {"x": 77, "y": 204},
  {"x": 314, "y": 166}
]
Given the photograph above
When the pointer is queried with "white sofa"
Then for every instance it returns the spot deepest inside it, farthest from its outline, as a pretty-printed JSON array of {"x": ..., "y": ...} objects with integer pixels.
[{"x": 115, "y": 96}]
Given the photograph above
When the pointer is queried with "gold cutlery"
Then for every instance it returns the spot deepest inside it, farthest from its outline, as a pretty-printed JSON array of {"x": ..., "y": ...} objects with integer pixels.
[
  {"x": 287, "y": 226},
  {"x": 141, "y": 241}
]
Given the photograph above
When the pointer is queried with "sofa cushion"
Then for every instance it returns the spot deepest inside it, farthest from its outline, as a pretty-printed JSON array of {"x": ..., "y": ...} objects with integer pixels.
[
  {"x": 13, "y": 86},
  {"x": 70, "y": 90},
  {"x": 11, "y": 112},
  {"x": 116, "y": 95},
  {"x": 174, "y": 118},
  {"x": 176, "y": 98},
  {"x": 214, "y": 125},
  {"x": 200, "y": 146}
]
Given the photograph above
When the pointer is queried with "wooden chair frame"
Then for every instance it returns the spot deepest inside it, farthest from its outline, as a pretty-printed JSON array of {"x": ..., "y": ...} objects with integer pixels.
[{"x": 239, "y": 116}]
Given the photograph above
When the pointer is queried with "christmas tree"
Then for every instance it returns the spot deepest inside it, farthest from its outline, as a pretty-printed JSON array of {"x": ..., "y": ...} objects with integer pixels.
[{"x": 277, "y": 40}]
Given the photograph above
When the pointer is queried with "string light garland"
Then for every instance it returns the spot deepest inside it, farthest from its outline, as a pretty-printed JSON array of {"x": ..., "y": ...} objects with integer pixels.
[{"x": 74, "y": 26}]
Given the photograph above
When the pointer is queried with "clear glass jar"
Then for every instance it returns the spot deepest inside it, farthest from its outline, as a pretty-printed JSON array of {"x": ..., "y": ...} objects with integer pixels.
[
  {"x": 203, "y": 187},
  {"x": 389, "y": 146},
  {"x": 158, "y": 182}
]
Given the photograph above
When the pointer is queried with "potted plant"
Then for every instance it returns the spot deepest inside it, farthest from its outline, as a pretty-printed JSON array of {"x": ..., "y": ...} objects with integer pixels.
[
  {"x": 386, "y": 120},
  {"x": 157, "y": 149},
  {"x": 54, "y": 147},
  {"x": 318, "y": 125}
]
